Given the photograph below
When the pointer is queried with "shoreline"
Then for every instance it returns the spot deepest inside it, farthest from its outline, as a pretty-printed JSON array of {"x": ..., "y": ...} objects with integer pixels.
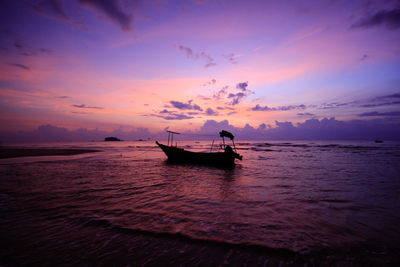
[{"x": 8, "y": 152}]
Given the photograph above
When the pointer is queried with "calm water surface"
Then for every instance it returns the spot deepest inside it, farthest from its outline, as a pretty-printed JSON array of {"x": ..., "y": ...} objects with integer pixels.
[{"x": 303, "y": 197}]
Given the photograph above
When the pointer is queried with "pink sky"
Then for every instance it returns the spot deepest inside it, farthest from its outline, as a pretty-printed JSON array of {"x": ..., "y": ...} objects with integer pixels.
[{"x": 155, "y": 64}]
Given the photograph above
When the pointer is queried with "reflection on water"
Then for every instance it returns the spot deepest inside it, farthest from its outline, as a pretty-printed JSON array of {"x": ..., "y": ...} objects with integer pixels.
[{"x": 299, "y": 196}]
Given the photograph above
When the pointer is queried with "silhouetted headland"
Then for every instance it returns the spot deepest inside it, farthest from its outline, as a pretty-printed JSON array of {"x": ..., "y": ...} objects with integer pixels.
[{"x": 36, "y": 152}]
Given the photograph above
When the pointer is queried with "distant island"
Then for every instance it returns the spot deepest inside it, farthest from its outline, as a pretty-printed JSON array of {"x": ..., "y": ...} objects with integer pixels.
[{"x": 111, "y": 138}]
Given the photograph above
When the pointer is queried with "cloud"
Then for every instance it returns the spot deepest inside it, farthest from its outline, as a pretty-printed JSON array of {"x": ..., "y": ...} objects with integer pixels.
[
  {"x": 188, "y": 51},
  {"x": 211, "y": 112},
  {"x": 396, "y": 95},
  {"x": 52, "y": 9},
  {"x": 113, "y": 10},
  {"x": 236, "y": 98},
  {"x": 280, "y": 108},
  {"x": 17, "y": 44},
  {"x": 181, "y": 105},
  {"x": 178, "y": 117},
  {"x": 171, "y": 115},
  {"x": 232, "y": 58},
  {"x": 45, "y": 50},
  {"x": 372, "y": 105},
  {"x": 21, "y": 66},
  {"x": 335, "y": 105},
  {"x": 212, "y": 82},
  {"x": 312, "y": 129},
  {"x": 364, "y": 57},
  {"x": 388, "y": 18},
  {"x": 223, "y": 108},
  {"x": 84, "y": 106},
  {"x": 221, "y": 92},
  {"x": 242, "y": 86},
  {"x": 202, "y": 55},
  {"x": 380, "y": 114},
  {"x": 305, "y": 114}
]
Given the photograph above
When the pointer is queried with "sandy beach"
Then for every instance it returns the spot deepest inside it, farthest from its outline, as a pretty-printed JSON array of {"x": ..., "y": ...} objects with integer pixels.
[{"x": 8, "y": 152}]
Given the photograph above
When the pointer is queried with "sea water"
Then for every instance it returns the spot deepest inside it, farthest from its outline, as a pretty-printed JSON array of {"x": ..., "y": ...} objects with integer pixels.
[{"x": 127, "y": 204}]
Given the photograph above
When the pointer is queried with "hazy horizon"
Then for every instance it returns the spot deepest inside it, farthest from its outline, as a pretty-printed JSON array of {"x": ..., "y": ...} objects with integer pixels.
[{"x": 313, "y": 129}]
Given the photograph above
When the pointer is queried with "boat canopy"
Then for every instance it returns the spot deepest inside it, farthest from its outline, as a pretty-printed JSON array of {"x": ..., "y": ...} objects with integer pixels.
[{"x": 224, "y": 133}]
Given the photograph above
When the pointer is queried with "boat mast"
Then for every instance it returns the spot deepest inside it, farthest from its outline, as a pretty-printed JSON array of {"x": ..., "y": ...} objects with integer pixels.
[
  {"x": 234, "y": 145},
  {"x": 171, "y": 133}
]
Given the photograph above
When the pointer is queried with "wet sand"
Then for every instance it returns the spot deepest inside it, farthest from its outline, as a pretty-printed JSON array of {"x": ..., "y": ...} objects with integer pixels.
[{"x": 7, "y": 152}]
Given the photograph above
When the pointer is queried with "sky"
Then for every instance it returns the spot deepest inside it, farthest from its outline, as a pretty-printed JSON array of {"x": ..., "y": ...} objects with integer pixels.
[{"x": 254, "y": 67}]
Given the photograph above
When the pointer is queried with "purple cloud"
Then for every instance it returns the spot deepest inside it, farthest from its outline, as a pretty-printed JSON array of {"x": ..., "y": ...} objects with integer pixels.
[
  {"x": 53, "y": 9},
  {"x": 211, "y": 112},
  {"x": 280, "y": 108},
  {"x": 388, "y": 18},
  {"x": 21, "y": 66},
  {"x": 335, "y": 105},
  {"x": 112, "y": 10},
  {"x": 171, "y": 115},
  {"x": 211, "y": 82},
  {"x": 15, "y": 41},
  {"x": 45, "y": 50},
  {"x": 396, "y": 95},
  {"x": 231, "y": 58},
  {"x": 223, "y": 108},
  {"x": 192, "y": 55},
  {"x": 178, "y": 117},
  {"x": 305, "y": 114},
  {"x": 181, "y": 105},
  {"x": 221, "y": 92},
  {"x": 242, "y": 86},
  {"x": 236, "y": 98},
  {"x": 380, "y": 114},
  {"x": 84, "y": 106},
  {"x": 391, "y": 103},
  {"x": 364, "y": 57},
  {"x": 312, "y": 129}
]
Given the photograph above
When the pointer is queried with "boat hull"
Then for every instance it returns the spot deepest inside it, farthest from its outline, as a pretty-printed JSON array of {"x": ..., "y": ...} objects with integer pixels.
[{"x": 180, "y": 155}]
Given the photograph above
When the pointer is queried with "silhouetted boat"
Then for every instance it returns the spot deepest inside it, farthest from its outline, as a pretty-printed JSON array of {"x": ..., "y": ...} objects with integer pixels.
[
  {"x": 378, "y": 141},
  {"x": 180, "y": 155}
]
